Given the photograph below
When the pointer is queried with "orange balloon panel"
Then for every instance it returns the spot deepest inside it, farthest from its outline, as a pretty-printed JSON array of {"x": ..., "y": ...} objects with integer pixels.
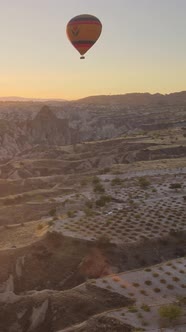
[{"x": 83, "y": 31}]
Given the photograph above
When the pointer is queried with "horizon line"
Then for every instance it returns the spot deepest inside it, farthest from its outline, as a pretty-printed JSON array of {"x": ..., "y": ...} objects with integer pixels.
[{"x": 37, "y": 99}]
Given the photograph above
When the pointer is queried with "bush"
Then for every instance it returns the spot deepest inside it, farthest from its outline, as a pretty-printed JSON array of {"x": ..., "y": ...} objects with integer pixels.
[
  {"x": 103, "y": 200},
  {"x": 182, "y": 300},
  {"x": 95, "y": 180},
  {"x": 50, "y": 223},
  {"x": 170, "y": 286},
  {"x": 148, "y": 282},
  {"x": 89, "y": 204},
  {"x": 71, "y": 214},
  {"x": 175, "y": 186},
  {"x": 84, "y": 182},
  {"x": 98, "y": 188},
  {"x": 143, "y": 182},
  {"x": 52, "y": 212},
  {"x": 145, "y": 307},
  {"x": 135, "y": 284},
  {"x": 116, "y": 182},
  {"x": 88, "y": 212},
  {"x": 106, "y": 170},
  {"x": 157, "y": 290},
  {"x": 170, "y": 311},
  {"x": 132, "y": 309}
]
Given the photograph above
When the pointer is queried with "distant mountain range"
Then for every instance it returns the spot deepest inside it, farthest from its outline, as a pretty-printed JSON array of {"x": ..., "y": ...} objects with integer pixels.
[
  {"x": 129, "y": 99},
  {"x": 136, "y": 99}
]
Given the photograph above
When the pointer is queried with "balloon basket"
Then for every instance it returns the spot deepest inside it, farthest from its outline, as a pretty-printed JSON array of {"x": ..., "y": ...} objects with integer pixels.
[{"x": 82, "y": 57}]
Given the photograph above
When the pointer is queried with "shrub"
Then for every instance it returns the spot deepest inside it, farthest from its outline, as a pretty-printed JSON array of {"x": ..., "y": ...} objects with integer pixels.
[
  {"x": 105, "y": 170},
  {"x": 50, "y": 223},
  {"x": 88, "y": 212},
  {"x": 182, "y": 300},
  {"x": 116, "y": 182},
  {"x": 175, "y": 186},
  {"x": 84, "y": 182},
  {"x": 148, "y": 282},
  {"x": 145, "y": 307},
  {"x": 89, "y": 204},
  {"x": 103, "y": 200},
  {"x": 95, "y": 180},
  {"x": 170, "y": 286},
  {"x": 163, "y": 281},
  {"x": 105, "y": 281},
  {"x": 52, "y": 212},
  {"x": 175, "y": 279},
  {"x": 70, "y": 214},
  {"x": 143, "y": 182},
  {"x": 135, "y": 284},
  {"x": 98, "y": 188},
  {"x": 170, "y": 311},
  {"x": 181, "y": 271},
  {"x": 132, "y": 309},
  {"x": 157, "y": 290}
]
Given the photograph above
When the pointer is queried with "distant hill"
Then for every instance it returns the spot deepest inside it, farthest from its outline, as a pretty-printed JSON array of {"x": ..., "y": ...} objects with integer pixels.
[
  {"x": 129, "y": 99},
  {"x": 19, "y": 99},
  {"x": 136, "y": 99}
]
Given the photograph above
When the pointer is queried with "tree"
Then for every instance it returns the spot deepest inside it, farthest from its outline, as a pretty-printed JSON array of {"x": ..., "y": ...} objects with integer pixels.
[{"x": 170, "y": 311}]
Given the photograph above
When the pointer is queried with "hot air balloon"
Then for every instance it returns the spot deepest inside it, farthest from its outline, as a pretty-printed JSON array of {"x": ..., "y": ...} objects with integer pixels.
[{"x": 83, "y": 31}]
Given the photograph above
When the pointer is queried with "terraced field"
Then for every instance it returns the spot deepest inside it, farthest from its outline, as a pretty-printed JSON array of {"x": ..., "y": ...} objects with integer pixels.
[
  {"x": 150, "y": 289},
  {"x": 130, "y": 209}
]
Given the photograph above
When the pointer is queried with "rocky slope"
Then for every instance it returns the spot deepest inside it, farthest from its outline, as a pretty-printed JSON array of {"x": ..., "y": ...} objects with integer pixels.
[{"x": 23, "y": 126}]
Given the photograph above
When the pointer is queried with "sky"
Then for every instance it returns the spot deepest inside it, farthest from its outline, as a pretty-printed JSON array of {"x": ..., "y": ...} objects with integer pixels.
[{"x": 142, "y": 48}]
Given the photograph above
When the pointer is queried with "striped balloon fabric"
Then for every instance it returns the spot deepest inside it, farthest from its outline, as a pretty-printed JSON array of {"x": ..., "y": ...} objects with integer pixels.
[{"x": 83, "y": 31}]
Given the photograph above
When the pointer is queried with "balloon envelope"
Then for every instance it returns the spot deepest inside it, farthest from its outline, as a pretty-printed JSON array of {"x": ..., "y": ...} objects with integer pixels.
[{"x": 83, "y": 31}]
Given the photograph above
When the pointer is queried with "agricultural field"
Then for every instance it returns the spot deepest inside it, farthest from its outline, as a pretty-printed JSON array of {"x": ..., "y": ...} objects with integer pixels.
[
  {"x": 129, "y": 207},
  {"x": 151, "y": 289}
]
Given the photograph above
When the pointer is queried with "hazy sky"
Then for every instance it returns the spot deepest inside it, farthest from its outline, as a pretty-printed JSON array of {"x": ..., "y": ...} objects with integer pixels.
[{"x": 142, "y": 48}]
